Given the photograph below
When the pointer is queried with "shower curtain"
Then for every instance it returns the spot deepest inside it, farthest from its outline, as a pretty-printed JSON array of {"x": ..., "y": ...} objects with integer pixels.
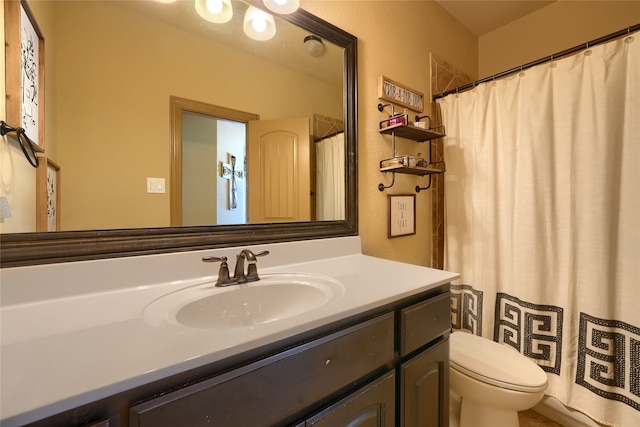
[
  {"x": 542, "y": 196},
  {"x": 330, "y": 178}
]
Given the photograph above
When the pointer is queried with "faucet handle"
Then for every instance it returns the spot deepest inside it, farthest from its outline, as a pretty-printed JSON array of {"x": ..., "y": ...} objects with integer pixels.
[
  {"x": 223, "y": 273},
  {"x": 252, "y": 268},
  {"x": 263, "y": 253}
]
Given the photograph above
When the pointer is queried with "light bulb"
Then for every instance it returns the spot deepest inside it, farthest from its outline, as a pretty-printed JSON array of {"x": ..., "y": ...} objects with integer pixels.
[
  {"x": 259, "y": 24},
  {"x": 214, "y": 6},
  {"x": 217, "y": 11},
  {"x": 282, "y": 6}
]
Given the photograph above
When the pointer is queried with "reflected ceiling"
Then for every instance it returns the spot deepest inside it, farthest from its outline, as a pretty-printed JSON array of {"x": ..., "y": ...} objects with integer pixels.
[{"x": 290, "y": 38}]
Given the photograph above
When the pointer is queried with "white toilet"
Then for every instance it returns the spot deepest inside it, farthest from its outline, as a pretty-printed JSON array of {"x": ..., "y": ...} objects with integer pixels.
[{"x": 493, "y": 381}]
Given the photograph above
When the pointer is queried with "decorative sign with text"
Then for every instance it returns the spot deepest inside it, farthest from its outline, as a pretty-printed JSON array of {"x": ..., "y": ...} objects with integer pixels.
[
  {"x": 402, "y": 215},
  {"x": 397, "y": 94}
]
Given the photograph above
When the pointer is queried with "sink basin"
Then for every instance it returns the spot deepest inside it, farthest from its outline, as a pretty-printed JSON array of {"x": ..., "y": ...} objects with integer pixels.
[{"x": 274, "y": 297}]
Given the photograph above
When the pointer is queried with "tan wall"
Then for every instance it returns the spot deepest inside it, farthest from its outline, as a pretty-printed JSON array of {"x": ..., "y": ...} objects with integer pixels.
[
  {"x": 397, "y": 47},
  {"x": 394, "y": 39},
  {"x": 103, "y": 161},
  {"x": 552, "y": 29}
]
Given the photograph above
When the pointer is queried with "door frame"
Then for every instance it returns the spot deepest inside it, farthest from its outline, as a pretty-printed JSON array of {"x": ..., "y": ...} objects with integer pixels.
[{"x": 178, "y": 106}]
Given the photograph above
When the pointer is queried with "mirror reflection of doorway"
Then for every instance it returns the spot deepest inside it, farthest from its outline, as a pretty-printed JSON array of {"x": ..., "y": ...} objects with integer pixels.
[
  {"x": 208, "y": 152},
  {"x": 213, "y": 170},
  {"x": 229, "y": 167}
]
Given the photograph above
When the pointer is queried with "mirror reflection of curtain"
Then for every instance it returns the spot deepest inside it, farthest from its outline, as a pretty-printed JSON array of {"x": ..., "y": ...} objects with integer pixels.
[{"x": 330, "y": 178}]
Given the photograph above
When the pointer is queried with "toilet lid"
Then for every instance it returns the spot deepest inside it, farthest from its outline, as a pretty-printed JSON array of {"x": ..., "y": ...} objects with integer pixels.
[{"x": 495, "y": 364}]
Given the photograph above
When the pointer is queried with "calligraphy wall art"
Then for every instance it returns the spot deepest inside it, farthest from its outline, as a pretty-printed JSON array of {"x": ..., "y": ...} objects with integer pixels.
[
  {"x": 24, "y": 62},
  {"x": 47, "y": 195}
]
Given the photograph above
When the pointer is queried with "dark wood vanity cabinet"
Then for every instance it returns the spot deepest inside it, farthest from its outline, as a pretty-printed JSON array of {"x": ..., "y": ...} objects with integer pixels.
[
  {"x": 276, "y": 389},
  {"x": 386, "y": 367}
]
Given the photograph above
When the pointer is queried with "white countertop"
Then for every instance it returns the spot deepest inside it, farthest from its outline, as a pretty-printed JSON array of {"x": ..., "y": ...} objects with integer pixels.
[{"x": 73, "y": 333}]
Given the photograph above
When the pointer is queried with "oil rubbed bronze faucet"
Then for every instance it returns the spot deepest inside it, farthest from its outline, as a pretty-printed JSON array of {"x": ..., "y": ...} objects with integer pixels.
[
  {"x": 252, "y": 266},
  {"x": 239, "y": 275}
]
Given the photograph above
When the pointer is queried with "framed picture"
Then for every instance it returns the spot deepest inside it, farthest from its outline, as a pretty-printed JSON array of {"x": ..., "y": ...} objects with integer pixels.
[
  {"x": 47, "y": 195},
  {"x": 401, "y": 95},
  {"x": 24, "y": 62},
  {"x": 402, "y": 215}
]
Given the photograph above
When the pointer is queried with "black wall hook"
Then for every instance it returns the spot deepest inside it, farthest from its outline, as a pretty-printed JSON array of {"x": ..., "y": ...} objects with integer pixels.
[{"x": 25, "y": 143}]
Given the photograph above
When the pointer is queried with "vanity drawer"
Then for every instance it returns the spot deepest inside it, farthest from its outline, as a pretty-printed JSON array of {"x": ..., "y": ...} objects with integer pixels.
[
  {"x": 271, "y": 390},
  {"x": 424, "y": 322}
]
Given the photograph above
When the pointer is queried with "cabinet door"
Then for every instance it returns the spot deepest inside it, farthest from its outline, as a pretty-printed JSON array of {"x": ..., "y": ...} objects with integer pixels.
[
  {"x": 424, "y": 387},
  {"x": 371, "y": 406}
]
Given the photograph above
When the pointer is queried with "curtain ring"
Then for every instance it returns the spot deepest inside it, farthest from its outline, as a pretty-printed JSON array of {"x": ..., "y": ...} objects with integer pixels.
[
  {"x": 587, "y": 51},
  {"x": 629, "y": 37}
]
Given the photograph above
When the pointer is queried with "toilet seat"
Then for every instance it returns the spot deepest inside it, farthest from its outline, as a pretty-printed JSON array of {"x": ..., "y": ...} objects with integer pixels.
[{"x": 495, "y": 364}]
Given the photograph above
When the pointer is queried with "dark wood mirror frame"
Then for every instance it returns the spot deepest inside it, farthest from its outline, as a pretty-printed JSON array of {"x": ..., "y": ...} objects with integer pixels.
[{"x": 21, "y": 249}]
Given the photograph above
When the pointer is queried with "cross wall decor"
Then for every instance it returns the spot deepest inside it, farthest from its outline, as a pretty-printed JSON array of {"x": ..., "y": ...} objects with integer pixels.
[{"x": 229, "y": 172}]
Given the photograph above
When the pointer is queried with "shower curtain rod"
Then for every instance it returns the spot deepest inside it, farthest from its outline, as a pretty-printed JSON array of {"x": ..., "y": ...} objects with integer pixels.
[{"x": 574, "y": 49}]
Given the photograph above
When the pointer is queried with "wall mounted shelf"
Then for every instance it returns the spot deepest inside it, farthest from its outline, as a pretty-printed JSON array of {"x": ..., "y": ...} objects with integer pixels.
[
  {"x": 399, "y": 125},
  {"x": 414, "y": 132},
  {"x": 433, "y": 168}
]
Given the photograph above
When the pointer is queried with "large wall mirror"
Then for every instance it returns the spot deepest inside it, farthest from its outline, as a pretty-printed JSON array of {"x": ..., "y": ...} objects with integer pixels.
[{"x": 117, "y": 66}]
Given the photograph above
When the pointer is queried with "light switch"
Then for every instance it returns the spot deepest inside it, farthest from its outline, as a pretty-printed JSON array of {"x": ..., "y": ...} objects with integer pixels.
[{"x": 155, "y": 185}]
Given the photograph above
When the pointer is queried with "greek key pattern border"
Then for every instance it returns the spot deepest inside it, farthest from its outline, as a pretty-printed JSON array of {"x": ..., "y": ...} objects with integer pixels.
[
  {"x": 534, "y": 330},
  {"x": 609, "y": 359},
  {"x": 466, "y": 309}
]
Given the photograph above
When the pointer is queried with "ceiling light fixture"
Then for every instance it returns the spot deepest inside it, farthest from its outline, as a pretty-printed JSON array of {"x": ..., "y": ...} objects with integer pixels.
[
  {"x": 313, "y": 45},
  {"x": 282, "y": 6},
  {"x": 216, "y": 11},
  {"x": 259, "y": 25}
]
